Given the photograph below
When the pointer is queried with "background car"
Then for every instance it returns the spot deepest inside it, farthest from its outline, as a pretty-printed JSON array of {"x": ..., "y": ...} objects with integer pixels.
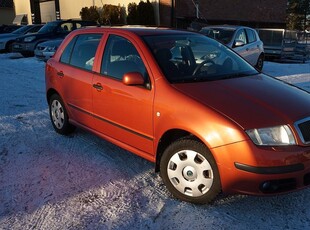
[
  {"x": 46, "y": 50},
  {"x": 9, "y": 28},
  {"x": 7, "y": 39},
  {"x": 243, "y": 40},
  {"x": 26, "y": 44}
]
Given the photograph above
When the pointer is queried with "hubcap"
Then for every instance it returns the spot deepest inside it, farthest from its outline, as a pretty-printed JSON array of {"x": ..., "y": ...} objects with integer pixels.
[
  {"x": 190, "y": 173},
  {"x": 57, "y": 114}
]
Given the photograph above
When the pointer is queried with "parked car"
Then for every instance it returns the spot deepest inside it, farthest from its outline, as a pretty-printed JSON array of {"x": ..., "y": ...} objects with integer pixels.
[
  {"x": 285, "y": 45},
  {"x": 7, "y": 39},
  {"x": 8, "y": 28},
  {"x": 243, "y": 40},
  {"x": 26, "y": 44},
  {"x": 46, "y": 50},
  {"x": 208, "y": 120}
]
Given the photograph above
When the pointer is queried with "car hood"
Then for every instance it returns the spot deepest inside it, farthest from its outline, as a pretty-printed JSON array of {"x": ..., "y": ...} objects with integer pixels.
[
  {"x": 8, "y": 35},
  {"x": 252, "y": 102}
]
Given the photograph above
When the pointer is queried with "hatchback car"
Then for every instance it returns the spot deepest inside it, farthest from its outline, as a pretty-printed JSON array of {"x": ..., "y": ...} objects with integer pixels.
[
  {"x": 243, "y": 40},
  {"x": 7, "y": 39},
  {"x": 209, "y": 121},
  {"x": 26, "y": 44}
]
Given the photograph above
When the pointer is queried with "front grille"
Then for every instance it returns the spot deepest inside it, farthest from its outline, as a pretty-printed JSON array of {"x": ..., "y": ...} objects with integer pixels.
[{"x": 303, "y": 129}]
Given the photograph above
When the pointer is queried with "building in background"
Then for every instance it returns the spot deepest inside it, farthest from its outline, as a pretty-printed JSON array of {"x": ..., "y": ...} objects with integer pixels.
[
  {"x": 7, "y": 13},
  {"x": 42, "y": 11},
  {"x": 262, "y": 13},
  {"x": 171, "y": 13}
]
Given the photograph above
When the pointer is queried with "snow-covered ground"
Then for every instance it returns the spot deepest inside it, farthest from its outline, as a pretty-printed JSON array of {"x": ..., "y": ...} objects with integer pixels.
[{"x": 48, "y": 181}]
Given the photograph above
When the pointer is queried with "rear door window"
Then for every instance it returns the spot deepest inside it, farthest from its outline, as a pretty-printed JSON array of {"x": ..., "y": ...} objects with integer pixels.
[{"x": 81, "y": 51}]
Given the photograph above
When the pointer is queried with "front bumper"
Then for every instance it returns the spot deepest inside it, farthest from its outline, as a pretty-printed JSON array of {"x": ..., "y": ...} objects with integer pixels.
[
  {"x": 23, "y": 47},
  {"x": 248, "y": 169},
  {"x": 43, "y": 55}
]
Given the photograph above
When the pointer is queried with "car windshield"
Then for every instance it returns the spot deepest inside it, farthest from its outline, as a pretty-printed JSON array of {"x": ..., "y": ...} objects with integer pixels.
[
  {"x": 48, "y": 28},
  {"x": 21, "y": 30},
  {"x": 194, "y": 57},
  {"x": 221, "y": 34}
]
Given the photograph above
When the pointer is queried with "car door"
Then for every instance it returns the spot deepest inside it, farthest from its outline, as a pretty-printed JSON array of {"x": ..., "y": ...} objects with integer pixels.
[
  {"x": 75, "y": 69},
  {"x": 124, "y": 113},
  {"x": 240, "y": 35},
  {"x": 253, "y": 46}
]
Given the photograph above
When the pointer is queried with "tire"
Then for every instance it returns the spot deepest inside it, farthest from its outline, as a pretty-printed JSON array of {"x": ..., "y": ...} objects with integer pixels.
[
  {"x": 9, "y": 47},
  {"x": 59, "y": 116},
  {"x": 189, "y": 171},
  {"x": 260, "y": 62},
  {"x": 27, "y": 54}
]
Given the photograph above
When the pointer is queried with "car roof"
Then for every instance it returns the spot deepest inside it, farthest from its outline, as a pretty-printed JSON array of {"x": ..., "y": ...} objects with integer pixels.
[
  {"x": 229, "y": 27},
  {"x": 140, "y": 31}
]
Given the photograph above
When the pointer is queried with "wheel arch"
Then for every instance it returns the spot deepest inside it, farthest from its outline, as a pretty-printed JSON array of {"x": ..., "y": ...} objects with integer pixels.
[
  {"x": 51, "y": 92},
  {"x": 169, "y": 137}
]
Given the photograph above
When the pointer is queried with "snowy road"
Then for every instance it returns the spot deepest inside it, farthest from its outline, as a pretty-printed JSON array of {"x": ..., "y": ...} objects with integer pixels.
[{"x": 48, "y": 181}]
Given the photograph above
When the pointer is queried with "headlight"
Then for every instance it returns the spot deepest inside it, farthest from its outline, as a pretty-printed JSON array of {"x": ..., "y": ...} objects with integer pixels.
[
  {"x": 29, "y": 39},
  {"x": 278, "y": 135},
  {"x": 50, "y": 49}
]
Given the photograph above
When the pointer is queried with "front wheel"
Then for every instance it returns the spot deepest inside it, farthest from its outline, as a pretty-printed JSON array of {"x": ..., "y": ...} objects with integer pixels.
[
  {"x": 260, "y": 62},
  {"x": 189, "y": 171},
  {"x": 59, "y": 115}
]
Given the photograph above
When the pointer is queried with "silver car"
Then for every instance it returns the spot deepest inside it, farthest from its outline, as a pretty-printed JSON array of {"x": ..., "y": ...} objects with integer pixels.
[
  {"x": 46, "y": 50},
  {"x": 244, "y": 40}
]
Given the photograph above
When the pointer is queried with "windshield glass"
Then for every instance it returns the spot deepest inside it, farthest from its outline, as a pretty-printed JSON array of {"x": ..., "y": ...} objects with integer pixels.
[
  {"x": 21, "y": 30},
  {"x": 48, "y": 28},
  {"x": 194, "y": 57},
  {"x": 222, "y": 35}
]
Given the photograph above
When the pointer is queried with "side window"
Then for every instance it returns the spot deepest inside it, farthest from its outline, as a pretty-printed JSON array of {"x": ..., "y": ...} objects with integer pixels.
[
  {"x": 66, "y": 27},
  {"x": 78, "y": 25},
  {"x": 84, "y": 50},
  {"x": 251, "y": 35},
  {"x": 66, "y": 55},
  {"x": 241, "y": 36},
  {"x": 120, "y": 57}
]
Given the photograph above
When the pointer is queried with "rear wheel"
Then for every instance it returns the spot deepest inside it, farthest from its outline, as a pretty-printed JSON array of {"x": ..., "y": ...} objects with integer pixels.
[
  {"x": 189, "y": 171},
  {"x": 59, "y": 115}
]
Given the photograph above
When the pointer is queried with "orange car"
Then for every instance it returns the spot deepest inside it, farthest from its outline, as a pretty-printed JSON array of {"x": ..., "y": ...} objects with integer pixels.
[{"x": 209, "y": 121}]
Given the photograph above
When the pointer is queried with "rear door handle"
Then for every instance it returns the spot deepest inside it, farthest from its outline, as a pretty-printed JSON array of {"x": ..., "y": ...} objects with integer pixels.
[
  {"x": 98, "y": 86},
  {"x": 60, "y": 74}
]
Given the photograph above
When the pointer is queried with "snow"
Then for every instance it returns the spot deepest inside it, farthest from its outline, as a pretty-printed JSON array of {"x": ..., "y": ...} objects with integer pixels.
[{"x": 49, "y": 181}]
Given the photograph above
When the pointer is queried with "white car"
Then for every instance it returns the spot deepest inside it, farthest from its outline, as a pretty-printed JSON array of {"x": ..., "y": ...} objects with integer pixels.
[{"x": 244, "y": 40}]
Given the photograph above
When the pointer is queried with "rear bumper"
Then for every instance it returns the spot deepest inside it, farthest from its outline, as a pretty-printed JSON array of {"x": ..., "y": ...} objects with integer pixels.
[{"x": 247, "y": 169}]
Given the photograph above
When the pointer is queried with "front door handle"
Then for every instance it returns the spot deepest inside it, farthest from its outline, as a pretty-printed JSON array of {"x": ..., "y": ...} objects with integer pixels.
[
  {"x": 60, "y": 74},
  {"x": 98, "y": 86}
]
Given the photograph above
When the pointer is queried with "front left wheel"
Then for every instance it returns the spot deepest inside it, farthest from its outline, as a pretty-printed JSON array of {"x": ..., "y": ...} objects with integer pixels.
[
  {"x": 189, "y": 171},
  {"x": 59, "y": 115}
]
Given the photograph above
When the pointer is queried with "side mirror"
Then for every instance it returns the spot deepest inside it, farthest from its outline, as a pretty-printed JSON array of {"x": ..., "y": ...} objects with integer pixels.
[
  {"x": 133, "y": 78},
  {"x": 238, "y": 43}
]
